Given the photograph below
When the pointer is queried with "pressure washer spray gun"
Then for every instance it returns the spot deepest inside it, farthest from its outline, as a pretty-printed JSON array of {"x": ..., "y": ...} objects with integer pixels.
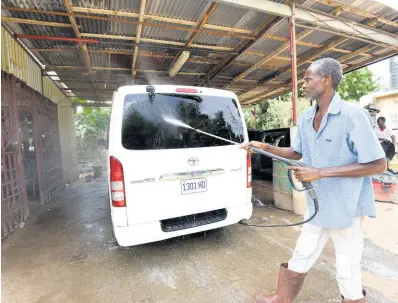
[{"x": 306, "y": 186}]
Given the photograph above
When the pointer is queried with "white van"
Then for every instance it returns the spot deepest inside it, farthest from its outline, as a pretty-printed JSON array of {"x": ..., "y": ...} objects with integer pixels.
[{"x": 166, "y": 181}]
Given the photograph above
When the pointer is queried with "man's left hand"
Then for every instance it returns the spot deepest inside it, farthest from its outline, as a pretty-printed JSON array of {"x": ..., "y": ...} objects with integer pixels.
[{"x": 306, "y": 173}]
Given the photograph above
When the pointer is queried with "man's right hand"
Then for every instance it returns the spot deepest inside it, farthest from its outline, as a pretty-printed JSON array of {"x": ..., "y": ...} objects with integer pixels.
[{"x": 256, "y": 144}]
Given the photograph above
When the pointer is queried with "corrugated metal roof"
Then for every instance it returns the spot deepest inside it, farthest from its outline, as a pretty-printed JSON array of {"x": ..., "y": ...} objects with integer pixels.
[
  {"x": 107, "y": 27},
  {"x": 72, "y": 58},
  {"x": 207, "y": 39},
  {"x": 182, "y": 9},
  {"x": 42, "y": 30},
  {"x": 281, "y": 29},
  {"x": 265, "y": 45},
  {"x": 122, "y": 5},
  {"x": 300, "y": 49},
  {"x": 193, "y": 67},
  {"x": 248, "y": 58},
  {"x": 150, "y": 63},
  {"x": 317, "y": 37},
  {"x": 352, "y": 17},
  {"x": 41, "y": 17},
  {"x": 259, "y": 74},
  {"x": 165, "y": 33},
  {"x": 352, "y": 45},
  {"x": 233, "y": 70},
  {"x": 238, "y": 17},
  {"x": 155, "y": 55},
  {"x": 36, "y": 4}
]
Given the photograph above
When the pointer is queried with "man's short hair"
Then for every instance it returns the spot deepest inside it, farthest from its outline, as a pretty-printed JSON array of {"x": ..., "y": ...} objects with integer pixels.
[
  {"x": 328, "y": 67},
  {"x": 381, "y": 119}
]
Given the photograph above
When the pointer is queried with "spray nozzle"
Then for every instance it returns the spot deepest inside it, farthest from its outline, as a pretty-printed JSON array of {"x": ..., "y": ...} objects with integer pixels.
[{"x": 151, "y": 91}]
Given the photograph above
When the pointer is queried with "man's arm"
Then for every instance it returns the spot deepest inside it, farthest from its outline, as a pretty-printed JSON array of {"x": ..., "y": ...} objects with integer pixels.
[
  {"x": 285, "y": 152},
  {"x": 310, "y": 174},
  {"x": 370, "y": 156}
]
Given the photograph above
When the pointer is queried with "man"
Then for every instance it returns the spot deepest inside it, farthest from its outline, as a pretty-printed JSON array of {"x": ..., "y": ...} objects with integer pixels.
[
  {"x": 386, "y": 138},
  {"x": 383, "y": 133},
  {"x": 340, "y": 151}
]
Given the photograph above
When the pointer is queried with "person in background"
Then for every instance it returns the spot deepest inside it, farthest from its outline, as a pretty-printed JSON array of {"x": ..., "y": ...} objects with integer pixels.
[
  {"x": 383, "y": 133},
  {"x": 386, "y": 138}
]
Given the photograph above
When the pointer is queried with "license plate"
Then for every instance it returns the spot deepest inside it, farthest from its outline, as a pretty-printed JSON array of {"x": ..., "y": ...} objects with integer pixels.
[{"x": 193, "y": 186}]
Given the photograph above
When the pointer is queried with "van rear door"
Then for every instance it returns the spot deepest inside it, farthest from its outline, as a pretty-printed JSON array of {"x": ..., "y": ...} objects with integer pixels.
[{"x": 171, "y": 171}]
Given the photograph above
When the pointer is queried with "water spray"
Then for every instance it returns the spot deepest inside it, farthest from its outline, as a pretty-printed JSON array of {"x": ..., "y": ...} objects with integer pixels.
[{"x": 306, "y": 186}]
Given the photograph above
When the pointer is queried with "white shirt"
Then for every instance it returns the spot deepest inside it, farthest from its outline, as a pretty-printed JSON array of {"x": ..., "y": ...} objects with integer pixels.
[{"x": 383, "y": 134}]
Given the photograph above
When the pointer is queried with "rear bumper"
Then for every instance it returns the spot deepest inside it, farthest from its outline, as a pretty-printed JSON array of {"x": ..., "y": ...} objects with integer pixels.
[{"x": 152, "y": 232}]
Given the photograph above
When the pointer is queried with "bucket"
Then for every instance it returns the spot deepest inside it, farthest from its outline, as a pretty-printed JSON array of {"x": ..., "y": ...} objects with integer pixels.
[{"x": 384, "y": 186}]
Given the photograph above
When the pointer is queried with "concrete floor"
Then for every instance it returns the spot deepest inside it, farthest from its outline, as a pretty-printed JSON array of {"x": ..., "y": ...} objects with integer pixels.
[{"x": 67, "y": 254}]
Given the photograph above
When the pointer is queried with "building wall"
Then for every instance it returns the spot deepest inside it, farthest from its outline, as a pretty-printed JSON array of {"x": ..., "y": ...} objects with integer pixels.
[
  {"x": 16, "y": 60},
  {"x": 67, "y": 141},
  {"x": 388, "y": 106}
]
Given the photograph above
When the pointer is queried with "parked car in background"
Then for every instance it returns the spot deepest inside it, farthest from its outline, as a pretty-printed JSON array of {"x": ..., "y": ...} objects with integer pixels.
[{"x": 262, "y": 165}]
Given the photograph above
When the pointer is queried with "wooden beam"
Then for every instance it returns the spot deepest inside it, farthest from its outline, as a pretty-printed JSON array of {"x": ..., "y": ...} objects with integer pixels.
[
  {"x": 271, "y": 56},
  {"x": 319, "y": 19},
  {"x": 201, "y": 23},
  {"x": 138, "y": 36},
  {"x": 83, "y": 46},
  {"x": 174, "y": 27},
  {"x": 34, "y": 22},
  {"x": 156, "y": 41},
  {"x": 357, "y": 11},
  {"x": 240, "y": 49},
  {"x": 158, "y": 18},
  {"x": 358, "y": 52}
]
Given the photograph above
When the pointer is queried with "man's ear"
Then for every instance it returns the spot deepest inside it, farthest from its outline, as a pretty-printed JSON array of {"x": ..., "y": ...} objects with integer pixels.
[{"x": 328, "y": 80}]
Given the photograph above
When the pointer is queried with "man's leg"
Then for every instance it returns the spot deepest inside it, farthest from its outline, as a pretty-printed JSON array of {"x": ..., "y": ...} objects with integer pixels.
[
  {"x": 348, "y": 244},
  {"x": 309, "y": 246},
  {"x": 291, "y": 276}
]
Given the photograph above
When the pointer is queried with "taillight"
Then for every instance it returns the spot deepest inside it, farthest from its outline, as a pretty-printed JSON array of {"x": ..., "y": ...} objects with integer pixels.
[
  {"x": 186, "y": 90},
  {"x": 118, "y": 192},
  {"x": 249, "y": 170}
]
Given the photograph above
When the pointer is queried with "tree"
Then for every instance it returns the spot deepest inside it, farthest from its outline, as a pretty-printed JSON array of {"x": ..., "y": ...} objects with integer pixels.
[
  {"x": 93, "y": 124},
  {"x": 357, "y": 84},
  {"x": 274, "y": 113}
]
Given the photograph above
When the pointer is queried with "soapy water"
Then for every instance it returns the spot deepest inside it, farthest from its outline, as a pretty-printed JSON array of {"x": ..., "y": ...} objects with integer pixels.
[{"x": 182, "y": 124}]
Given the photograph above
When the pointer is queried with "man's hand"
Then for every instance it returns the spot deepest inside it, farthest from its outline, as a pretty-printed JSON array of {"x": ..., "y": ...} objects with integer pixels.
[
  {"x": 384, "y": 140},
  {"x": 306, "y": 173},
  {"x": 257, "y": 144}
]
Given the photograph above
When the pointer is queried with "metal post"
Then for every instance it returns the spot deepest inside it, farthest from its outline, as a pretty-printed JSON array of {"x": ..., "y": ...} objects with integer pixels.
[
  {"x": 293, "y": 62},
  {"x": 254, "y": 112}
]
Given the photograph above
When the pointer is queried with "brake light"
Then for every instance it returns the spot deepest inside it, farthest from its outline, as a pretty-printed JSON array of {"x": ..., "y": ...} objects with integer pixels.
[
  {"x": 186, "y": 90},
  {"x": 118, "y": 192},
  {"x": 249, "y": 170}
]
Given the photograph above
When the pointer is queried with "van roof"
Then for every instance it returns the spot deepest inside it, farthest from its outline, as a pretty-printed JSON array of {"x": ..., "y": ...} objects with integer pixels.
[{"x": 139, "y": 89}]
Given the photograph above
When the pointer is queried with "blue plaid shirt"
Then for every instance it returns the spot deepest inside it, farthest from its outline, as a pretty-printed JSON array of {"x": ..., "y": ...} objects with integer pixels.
[{"x": 344, "y": 137}]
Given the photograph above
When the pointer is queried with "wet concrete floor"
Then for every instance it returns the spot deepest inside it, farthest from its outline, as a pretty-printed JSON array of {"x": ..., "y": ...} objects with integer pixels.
[{"x": 67, "y": 253}]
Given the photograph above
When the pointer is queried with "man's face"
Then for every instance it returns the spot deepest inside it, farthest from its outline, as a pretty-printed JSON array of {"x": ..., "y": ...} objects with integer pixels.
[
  {"x": 314, "y": 85},
  {"x": 381, "y": 123}
]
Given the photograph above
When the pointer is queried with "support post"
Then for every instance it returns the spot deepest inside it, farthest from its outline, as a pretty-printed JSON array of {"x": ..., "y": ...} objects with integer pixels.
[{"x": 293, "y": 62}]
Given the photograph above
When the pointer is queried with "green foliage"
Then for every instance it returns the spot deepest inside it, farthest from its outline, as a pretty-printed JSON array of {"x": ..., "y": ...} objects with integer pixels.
[
  {"x": 274, "y": 113},
  {"x": 357, "y": 84},
  {"x": 93, "y": 124}
]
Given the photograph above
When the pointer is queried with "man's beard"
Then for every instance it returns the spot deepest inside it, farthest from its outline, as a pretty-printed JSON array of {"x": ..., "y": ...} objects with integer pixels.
[{"x": 315, "y": 95}]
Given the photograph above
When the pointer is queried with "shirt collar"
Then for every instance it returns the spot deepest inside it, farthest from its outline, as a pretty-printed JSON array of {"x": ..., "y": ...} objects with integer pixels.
[{"x": 334, "y": 107}]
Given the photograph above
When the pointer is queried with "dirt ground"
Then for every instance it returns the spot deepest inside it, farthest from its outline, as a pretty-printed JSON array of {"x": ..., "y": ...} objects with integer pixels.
[{"x": 67, "y": 253}]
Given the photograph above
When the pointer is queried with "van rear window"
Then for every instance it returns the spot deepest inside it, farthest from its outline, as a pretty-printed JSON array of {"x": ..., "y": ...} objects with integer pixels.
[{"x": 143, "y": 126}]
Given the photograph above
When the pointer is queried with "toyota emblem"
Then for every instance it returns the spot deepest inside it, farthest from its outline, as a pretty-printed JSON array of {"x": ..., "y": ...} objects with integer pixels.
[{"x": 193, "y": 161}]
